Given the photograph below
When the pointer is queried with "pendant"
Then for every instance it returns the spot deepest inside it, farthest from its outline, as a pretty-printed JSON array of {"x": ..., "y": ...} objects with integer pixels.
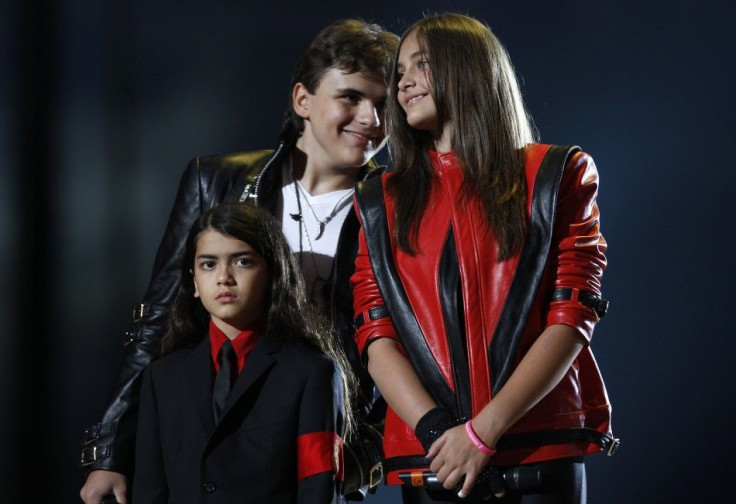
[{"x": 321, "y": 229}]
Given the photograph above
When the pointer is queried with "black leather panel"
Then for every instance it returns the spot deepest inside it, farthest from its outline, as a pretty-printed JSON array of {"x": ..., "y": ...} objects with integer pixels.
[
  {"x": 369, "y": 196},
  {"x": 528, "y": 276},
  {"x": 452, "y": 311}
]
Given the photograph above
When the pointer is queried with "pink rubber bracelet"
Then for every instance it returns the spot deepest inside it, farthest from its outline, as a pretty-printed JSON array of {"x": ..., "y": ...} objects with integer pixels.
[{"x": 478, "y": 442}]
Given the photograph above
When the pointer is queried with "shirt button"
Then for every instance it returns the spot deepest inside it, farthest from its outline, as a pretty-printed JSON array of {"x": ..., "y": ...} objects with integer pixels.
[{"x": 209, "y": 487}]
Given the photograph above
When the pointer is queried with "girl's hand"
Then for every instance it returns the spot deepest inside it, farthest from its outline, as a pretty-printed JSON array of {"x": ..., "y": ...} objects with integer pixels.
[{"x": 455, "y": 457}]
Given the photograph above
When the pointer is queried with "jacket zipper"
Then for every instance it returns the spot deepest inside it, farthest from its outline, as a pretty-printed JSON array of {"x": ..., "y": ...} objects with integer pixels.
[{"x": 257, "y": 185}]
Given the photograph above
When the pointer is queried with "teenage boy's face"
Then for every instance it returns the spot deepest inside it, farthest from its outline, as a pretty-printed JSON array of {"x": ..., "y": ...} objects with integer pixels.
[
  {"x": 342, "y": 119},
  {"x": 231, "y": 280}
]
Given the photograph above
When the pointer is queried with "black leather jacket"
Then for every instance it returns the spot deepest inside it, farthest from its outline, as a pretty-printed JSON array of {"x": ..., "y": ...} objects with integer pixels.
[{"x": 244, "y": 176}]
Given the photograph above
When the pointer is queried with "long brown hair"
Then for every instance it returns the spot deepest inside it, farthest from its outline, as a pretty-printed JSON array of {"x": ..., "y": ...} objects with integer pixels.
[{"x": 475, "y": 89}]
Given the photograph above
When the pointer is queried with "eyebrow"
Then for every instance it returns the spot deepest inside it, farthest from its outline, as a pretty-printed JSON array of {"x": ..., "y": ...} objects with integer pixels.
[
  {"x": 351, "y": 91},
  {"x": 234, "y": 254}
]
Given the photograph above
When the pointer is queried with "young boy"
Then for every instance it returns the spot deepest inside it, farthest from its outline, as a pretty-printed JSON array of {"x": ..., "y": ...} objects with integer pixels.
[{"x": 247, "y": 403}]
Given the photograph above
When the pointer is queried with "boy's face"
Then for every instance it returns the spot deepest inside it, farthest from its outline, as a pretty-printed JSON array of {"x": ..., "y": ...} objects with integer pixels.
[
  {"x": 342, "y": 119},
  {"x": 231, "y": 279}
]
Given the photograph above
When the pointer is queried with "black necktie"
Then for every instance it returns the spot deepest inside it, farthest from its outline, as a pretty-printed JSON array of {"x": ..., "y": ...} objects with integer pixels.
[{"x": 223, "y": 380}]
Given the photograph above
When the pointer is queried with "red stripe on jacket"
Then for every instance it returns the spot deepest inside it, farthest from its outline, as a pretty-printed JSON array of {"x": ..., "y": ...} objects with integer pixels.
[{"x": 319, "y": 452}]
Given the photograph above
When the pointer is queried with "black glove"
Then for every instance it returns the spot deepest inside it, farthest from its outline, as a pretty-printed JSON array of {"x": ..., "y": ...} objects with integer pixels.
[{"x": 432, "y": 425}]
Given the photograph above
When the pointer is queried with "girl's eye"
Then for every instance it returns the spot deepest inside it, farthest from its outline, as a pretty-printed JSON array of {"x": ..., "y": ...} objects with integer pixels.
[
  {"x": 423, "y": 64},
  {"x": 244, "y": 262},
  {"x": 207, "y": 265}
]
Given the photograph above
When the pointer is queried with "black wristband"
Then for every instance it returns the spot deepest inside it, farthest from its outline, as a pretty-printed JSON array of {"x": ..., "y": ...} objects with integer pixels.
[{"x": 431, "y": 426}]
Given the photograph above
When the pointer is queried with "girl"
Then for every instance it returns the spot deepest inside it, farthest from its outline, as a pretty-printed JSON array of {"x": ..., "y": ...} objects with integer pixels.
[
  {"x": 477, "y": 282},
  {"x": 241, "y": 320}
]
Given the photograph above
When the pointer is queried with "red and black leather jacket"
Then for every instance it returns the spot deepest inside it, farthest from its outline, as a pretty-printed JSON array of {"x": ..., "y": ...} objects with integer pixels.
[{"x": 465, "y": 320}]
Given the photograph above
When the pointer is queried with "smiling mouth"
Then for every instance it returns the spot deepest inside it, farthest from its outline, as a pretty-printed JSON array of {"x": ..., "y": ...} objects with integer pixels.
[
  {"x": 414, "y": 99},
  {"x": 362, "y": 136}
]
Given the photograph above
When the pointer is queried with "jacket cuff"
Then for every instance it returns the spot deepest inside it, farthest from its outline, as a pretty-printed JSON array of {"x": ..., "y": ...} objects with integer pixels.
[
  {"x": 372, "y": 331},
  {"x": 575, "y": 315},
  {"x": 106, "y": 457},
  {"x": 99, "y": 449}
]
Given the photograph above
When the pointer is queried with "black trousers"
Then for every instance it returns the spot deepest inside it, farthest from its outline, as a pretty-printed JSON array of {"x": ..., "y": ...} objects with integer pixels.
[{"x": 564, "y": 482}]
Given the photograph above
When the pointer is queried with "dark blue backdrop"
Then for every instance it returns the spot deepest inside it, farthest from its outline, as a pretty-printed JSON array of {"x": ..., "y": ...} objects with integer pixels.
[{"x": 103, "y": 103}]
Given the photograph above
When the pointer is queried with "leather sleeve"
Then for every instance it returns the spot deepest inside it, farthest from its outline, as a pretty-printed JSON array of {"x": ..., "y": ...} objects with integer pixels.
[
  {"x": 319, "y": 435},
  {"x": 118, "y": 423},
  {"x": 578, "y": 249},
  {"x": 366, "y": 295}
]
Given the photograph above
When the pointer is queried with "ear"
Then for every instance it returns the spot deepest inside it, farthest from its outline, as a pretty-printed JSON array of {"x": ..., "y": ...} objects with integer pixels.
[
  {"x": 196, "y": 290},
  {"x": 300, "y": 98}
]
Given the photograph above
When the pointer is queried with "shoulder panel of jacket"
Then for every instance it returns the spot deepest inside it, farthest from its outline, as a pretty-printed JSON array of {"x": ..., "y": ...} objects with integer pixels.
[{"x": 233, "y": 176}]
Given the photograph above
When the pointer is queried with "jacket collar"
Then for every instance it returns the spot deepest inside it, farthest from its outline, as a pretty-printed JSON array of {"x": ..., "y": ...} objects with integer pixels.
[
  {"x": 200, "y": 378},
  {"x": 268, "y": 178}
]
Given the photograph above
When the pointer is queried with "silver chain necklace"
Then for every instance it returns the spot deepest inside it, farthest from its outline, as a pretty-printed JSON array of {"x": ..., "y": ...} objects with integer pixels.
[
  {"x": 319, "y": 281},
  {"x": 322, "y": 223},
  {"x": 298, "y": 218}
]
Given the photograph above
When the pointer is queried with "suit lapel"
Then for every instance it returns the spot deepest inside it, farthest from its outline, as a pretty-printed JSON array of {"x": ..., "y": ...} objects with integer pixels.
[
  {"x": 200, "y": 376},
  {"x": 258, "y": 363}
]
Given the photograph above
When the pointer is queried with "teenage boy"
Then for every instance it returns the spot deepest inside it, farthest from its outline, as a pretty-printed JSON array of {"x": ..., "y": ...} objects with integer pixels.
[{"x": 330, "y": 134}]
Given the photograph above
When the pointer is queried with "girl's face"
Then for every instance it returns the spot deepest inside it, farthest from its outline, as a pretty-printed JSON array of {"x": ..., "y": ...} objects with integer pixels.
[
  {"x": 414, "y": 88},
  {"x": 231, "y": 279}
]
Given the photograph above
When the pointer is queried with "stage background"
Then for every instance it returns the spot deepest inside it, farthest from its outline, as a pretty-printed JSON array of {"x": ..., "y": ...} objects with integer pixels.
[{"x": 104, "y": 103}]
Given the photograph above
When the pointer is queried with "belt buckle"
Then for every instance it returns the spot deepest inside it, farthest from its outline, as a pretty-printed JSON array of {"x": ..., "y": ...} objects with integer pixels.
[
  {"x": 92, "y": 450},
  {"x": 92, "y": 454},
  {"x": 614, "y": 446},
  {"x": 138, "y": 312},
  {"x": 375, "y": 475},
  {"x": 601, "y": 307}
]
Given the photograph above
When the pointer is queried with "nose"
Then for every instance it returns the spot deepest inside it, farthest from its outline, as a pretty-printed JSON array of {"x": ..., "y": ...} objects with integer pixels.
[
  {"x": 405, "y": 82},
  {"x": 369, "y": 114},
  {"x": 224, "y": 277}
]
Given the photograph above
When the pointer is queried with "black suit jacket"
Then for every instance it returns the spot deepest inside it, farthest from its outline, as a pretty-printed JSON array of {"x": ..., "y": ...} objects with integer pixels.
[{"x": 284, "y": 391}]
